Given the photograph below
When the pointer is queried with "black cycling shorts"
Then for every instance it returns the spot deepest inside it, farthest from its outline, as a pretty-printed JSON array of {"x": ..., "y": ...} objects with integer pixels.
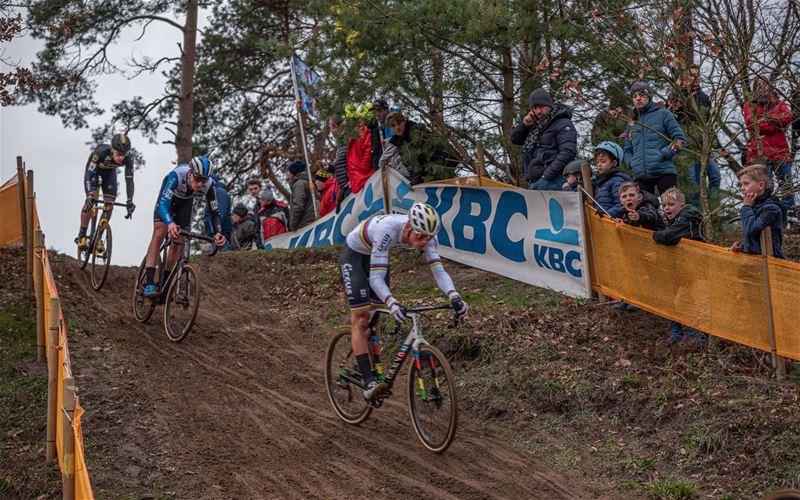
[
  {"x": 180, "y": 209},
  {"x": 354, "y": 267},
  {"x": 107, "y": 178}
]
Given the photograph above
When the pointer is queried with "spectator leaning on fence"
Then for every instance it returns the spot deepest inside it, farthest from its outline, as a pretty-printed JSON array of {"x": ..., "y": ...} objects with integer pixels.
[
  {"x": 425, "y": 157},
  {"x": 607, "y": 157},
  {"x": 359, "y": 146},
  {"x": 378, "y": 130},
  {"x": 573, "y": 175},
  {"x": 641, "y": 208},
  {"x": 328, "y": 190},
  {"x": 243, "y": 229},
  {"x": 302, "y": 202},
  {"x": 683, "y": 221},
  {"x": 767, "y": 119},
  {"x": 549, "y": 141},
  {"x": 651, "y": 141},
  {"x": 760, "y": 210},
  {"x": 273, "y": 217}
]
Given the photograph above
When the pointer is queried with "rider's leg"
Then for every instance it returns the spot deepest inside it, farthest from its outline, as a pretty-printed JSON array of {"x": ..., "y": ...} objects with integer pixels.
[
  {"x": 173, "y": 253},
  {"x": 159, "y": 233},
  {"x": 108, "y": 208},
  {"x": 108, "y": 179}
]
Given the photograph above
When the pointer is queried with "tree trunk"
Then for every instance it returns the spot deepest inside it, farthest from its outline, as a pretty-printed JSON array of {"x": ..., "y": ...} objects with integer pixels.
[
  {"x": 507, "y": 110},
  {"x": 183, "y": 140}
]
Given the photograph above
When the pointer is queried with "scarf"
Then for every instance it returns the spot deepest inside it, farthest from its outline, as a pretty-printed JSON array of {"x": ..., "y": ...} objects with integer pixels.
[{"x": 535, "y": 134}]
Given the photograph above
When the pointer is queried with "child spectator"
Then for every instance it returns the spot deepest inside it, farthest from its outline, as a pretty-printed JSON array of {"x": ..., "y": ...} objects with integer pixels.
[
  {"x": 273, "y": 216},
  {"x": 683, "y": 221},
  {"x": 328, "y": 189},
  {"x": 607, "y": 157},
  {"x": 640, "y": 207},
  {"x": 242, "y": 229},
  {"x": 574, "y": 176},
  {"x": 759, "y": 210}
]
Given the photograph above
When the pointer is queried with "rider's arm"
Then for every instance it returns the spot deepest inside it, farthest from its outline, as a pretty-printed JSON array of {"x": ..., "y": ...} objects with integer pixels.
[
  {"x": 90, "y": 175},
  {"x": 165, "y": 199},
  {"x": 443, "y": 280},
  {"x": 379, "y": 268},
  {"x": 211, "y": 198},
  {"x": 129, "y": 176}
]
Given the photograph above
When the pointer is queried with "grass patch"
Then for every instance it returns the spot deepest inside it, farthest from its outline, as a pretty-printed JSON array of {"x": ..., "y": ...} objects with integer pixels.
[{"x": 670, "y": 489}]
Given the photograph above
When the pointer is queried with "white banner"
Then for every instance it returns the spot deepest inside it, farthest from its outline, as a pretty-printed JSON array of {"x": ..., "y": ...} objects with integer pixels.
[{"x": 536, "y": 237}]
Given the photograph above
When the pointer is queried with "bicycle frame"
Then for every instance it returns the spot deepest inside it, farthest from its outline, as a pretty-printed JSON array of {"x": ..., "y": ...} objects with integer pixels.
[{"x": 182, "y": 259}]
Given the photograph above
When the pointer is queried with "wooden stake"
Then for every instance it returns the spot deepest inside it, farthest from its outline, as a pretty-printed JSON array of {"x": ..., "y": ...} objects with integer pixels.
[
  {"x": 52, "y": 379},
  {"x": 387, "y": 196},
  {"x": 586, "y": 178},
  {"x": 38, "y": 274},
  {"x": 778, "y": 362},
  {"x": 68, "y": 447},
  {"x": 23, "y": 220},
  {"x": 29, "y": 203}
]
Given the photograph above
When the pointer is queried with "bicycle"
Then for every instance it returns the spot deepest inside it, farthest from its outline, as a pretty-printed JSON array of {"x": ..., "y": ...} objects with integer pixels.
[
  {"x": 432, "y": 400},
  {"x": 98, "y": 247},
  {"x": 180, "y": 293}
]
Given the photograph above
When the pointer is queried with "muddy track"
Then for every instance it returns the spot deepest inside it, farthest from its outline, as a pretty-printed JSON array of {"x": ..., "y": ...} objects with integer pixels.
[{"x": 239, "y": 410}]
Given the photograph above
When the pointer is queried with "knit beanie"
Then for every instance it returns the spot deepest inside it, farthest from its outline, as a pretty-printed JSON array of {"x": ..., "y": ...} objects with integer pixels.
[
  {"x": 540, "y": 97},
  {"x": 266, "y": 195},
  {"x": 641, "y": 87},
  {"x": 322, "y": 175},
  {"x": 296, "y": 167}
]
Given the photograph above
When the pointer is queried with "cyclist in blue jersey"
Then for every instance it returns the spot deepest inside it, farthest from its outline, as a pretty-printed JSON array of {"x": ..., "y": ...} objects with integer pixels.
[
  {"x": 173, "y": 212},
  {"x": 364, "y": 263},
  {"x": 101, "y": 171}
]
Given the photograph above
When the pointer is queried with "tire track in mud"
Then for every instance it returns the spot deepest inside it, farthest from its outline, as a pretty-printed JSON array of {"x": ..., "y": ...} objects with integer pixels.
[{"x": 239, "y": 409}]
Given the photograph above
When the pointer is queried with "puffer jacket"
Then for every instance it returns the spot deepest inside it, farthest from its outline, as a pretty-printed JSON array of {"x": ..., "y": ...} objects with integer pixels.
[
  {"x": 328, "y": 196},
  {"x": 649, "y": 216},
  {"x": 647, "y": 142},
  {"x": 557, "y": 147},
  {"x": 773, "y": 120},
  {"x": 767, "y": 211},
  {"x": 606, "y": 190},
  {"x": 685, "y": 225},
  {"x": 359, "y": 159},
  {"x": 302, "y": 205}
]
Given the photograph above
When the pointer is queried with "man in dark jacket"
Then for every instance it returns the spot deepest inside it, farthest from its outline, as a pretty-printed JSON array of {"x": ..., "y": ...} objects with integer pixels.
[
  {"x": 549, "y": 141},
  {"x": 302, "y": 203},
  {"x": 422, "y": 156},
  {"x": 243, "y": 232}
]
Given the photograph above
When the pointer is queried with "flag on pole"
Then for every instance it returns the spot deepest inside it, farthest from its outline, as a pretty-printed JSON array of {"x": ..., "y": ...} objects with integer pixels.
[{"x": 305, "y": 82}]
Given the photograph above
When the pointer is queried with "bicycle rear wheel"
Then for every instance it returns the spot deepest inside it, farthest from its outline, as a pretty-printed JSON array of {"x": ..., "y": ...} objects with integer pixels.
[
  {"x": 142, "y": 308},
  {"x": 347, "y": 399},
  {"x": 432, "y": 399},
  {"x": 101, "y": 256},
  {"x": 183, "y": 301}
]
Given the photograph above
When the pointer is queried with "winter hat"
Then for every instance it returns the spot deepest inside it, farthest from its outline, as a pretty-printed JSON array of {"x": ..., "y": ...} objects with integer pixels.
[
  {"x": 540, "y": 97},
  {"x": 322, "y": 175},
  {"x": 574, "y": 167},
  {"x": 641, "y": 87},
  {"x": 296, "y": 167},
  {"x": 266, "y": 195},
  {"x": 380, "y": 104},
  {"x": 240, "y": 210}
]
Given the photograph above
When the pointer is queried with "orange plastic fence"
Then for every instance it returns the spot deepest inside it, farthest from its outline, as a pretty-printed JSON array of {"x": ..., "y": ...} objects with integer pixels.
[
  {"x": 700, "y": 285},
  {"x": 10, "y": 223}
]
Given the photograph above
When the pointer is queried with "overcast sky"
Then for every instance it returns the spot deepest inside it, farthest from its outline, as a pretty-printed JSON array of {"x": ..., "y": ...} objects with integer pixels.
[{"x": 58, "y": 155}]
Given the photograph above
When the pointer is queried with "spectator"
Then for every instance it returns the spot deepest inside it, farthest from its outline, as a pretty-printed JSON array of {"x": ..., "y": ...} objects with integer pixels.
[
  {"x": 683, "y": 221},
  {"x": 379, "y": 133},
  {"x": 243, "y": 232},
  {"x": 302, "y": 202},
  {"x": 759, "y": 210},
  {"x": 574, "y": 175},
  {"x": 224, "y": 208},
  {"x": 359, "y": 148},
  {"x": 326, "y": 186},
  {"x": 767, "y": 119},
  {"x": 651, "y": 141},
  {"x": 340, "y": 159},
  {"x": 607, "y": 156},
  {"x": 641, "y": 207},
  {"x": 253, "y": 188},
  {"x": 273, "y": 217},
  {"x": 549, "y": 141},
  {"x": 425, "y": 158},
  {"x": 609, "y": 124}
]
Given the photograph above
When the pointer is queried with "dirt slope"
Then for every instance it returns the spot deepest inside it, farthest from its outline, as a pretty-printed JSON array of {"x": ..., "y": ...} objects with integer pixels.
[{"x": 239, "y": 410}]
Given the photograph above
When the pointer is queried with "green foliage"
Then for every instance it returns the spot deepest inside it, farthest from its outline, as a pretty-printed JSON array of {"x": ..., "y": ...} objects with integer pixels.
[{"x": 670, "y": 489}]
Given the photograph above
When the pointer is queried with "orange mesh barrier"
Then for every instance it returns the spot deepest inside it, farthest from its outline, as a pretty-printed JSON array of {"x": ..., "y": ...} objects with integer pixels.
[
  {"x": 700, "y": 285},
  {"x": 10, "y": 223}
]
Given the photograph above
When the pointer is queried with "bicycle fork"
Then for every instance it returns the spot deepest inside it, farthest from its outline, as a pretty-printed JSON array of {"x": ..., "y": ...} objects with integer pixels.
[{"x": 437, "y": 383}]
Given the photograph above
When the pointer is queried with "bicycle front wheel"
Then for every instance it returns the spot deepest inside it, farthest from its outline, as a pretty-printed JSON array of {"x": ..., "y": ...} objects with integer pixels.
[
  {"x": 84, "y": 254},
  {"x": 432, "y": 399},
  {"x": 101, "y": 256},
  {"x": 183, "y": 301},
  {"x": 347, "y": 399},
  {"x": 142, "y": 308}
]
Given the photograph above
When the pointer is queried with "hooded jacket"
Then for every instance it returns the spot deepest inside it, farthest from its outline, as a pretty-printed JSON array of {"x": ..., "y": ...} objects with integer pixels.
[
  {"x": 302, "y": 207},
  {"x": 647, "y": 142},
  {"x": 685, "y": 225},
  {"x": 649, "y": 216},
  {"x": 557, "y": 146},
  {"x": 606, "y": 190},
  {"x": 359, "y": 159},
  {"x": 273, "y": 220},
  {"x": 328, "y": 196},
  {"x": 767, "y": 211},
  {"x": 773, "y": 120}
]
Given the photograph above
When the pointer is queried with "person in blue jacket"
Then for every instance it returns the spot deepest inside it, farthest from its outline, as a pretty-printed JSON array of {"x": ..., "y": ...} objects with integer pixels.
[
  {"x": 651, "y": 141},
  {"x": 224, "y": 209},
  {"x": 760, "y": 210},
  {"x": 608, "y": 156}
]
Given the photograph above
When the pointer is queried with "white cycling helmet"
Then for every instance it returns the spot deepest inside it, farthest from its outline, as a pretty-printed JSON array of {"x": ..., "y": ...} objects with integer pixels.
[{"x": 423, "y": 219}]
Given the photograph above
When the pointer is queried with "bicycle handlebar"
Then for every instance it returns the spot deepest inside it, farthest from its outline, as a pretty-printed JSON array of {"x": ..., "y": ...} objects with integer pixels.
[
  {"x": 202, "y": 237},
  {"x": 419, "y": 309},
  {"x": 112, "y": 203}
]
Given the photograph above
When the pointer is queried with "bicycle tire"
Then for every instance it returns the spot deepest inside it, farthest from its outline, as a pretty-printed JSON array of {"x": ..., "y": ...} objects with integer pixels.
[
  {"x": 187, "y": 276},
  {"x": 83, "y": 255},
  {"x": 446, "y": 395},
  {"x": 99, "y": 277},
  {"x": 339, "y": 390},
  {"x": 142, "y": 308}
]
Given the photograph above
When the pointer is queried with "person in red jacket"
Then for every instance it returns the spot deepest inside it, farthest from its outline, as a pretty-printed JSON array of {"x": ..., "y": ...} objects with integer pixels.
[
  {"x": 328, "y": 189},
  {"x": 359, "y": 156},
  {"x": 273, "y": 216},
  {"x": 767, "y": 119}
]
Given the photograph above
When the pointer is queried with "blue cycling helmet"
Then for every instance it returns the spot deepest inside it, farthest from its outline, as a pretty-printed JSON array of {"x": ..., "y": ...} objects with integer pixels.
[
  {"x": 611, "y": 148},
  {"x": 201, "y": 167}
]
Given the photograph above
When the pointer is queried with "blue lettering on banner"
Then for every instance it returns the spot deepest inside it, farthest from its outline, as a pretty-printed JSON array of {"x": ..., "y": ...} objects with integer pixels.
[
  {"x": 338, "y": 236},
  {"x": 303, "y": 243},
  {"x": 464, "y": 219},
  {"x": 553, "y": 258},
  {"x": 373, "y": 205},
  {"x": 441, "y": 202},
  {"x": 508, "y": 204},
  {"x": 322, "y": 233}
]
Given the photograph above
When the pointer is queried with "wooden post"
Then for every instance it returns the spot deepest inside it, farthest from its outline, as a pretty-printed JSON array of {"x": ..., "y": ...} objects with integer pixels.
[
  {"x": 778, "y": 362},
  {"x": 387, "y": 198},
  {"x": 68, "y": 447},
  {"x": 38, "y": 272},
  {"x": 586, "y": 178},
  {"x": 481, "y": 162},
  {"x": 30, "y": 230},
  {"x": 22, "y": 203},
  {"x": 52, "y": 378}
]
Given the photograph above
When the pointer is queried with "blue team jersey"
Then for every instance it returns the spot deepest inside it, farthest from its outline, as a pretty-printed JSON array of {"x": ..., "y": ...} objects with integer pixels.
[{"x": 176, "y": 186}]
